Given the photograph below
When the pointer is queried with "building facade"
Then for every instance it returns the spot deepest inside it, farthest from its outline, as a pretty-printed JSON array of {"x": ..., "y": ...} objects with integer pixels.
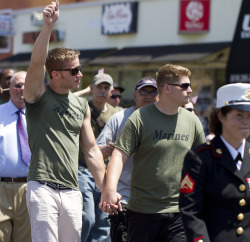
[{"x": 131, "y": 39}]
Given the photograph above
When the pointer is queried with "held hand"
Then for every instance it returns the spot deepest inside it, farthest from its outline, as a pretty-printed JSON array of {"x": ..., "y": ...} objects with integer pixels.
[
  {"x": 107, "y": 150},
  {"x": 110, "y": 203},
  {"x": 51, "y": 13}
]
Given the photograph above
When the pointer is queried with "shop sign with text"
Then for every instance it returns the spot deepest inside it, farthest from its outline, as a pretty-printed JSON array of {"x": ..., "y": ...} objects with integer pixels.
[
  {"x": 194, "y": 16},
  {"x": 119, "y": 18}
]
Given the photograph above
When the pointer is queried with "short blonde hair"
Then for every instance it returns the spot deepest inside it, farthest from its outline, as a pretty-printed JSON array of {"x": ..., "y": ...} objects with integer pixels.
[
  {"x": 170, "y": 73},
  {"x": 57, "y": 57}
]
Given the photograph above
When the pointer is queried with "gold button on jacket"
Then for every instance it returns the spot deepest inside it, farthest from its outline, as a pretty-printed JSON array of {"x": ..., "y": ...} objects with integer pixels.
[
  {"x": 240, "y": 230},
  {"x": 242, "y": 188},
  {"x": 240, "y": 216},
  {"x": 242, "y": 202}
]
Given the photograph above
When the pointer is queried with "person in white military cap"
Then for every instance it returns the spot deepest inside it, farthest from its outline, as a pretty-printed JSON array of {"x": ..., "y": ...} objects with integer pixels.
[{"x": 215, "y": 186}]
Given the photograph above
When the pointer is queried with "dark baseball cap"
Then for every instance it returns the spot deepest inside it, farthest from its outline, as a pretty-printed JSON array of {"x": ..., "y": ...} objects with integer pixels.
[
  {"x": 146, "y": 81},
  {"x": 116, "y": 86}
]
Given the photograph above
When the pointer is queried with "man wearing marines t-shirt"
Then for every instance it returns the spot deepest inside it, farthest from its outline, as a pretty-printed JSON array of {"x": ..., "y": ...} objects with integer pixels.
[{"x": 159, "y": 135}]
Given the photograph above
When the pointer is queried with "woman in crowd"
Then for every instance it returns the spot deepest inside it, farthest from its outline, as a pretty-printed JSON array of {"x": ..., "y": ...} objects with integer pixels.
[{"x": 215, "y": 185}]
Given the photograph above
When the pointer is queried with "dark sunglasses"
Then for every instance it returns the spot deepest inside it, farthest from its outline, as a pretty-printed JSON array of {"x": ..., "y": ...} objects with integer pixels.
[
  {"x": 74, "y": 71},
  {"x": 18, "y": 85},
  {"x": 190, "y": 109},
  {"x": 183, "y": 86},
  {"x": 145, "y": 93},
  {"x": 7, "y": 78},
  {"x": 116, "y": 96}
]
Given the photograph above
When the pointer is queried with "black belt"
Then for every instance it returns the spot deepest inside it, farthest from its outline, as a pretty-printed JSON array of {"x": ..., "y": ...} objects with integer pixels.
[
  {"x": 13, "y": 179},
  {"x": 54, "y": 186}
]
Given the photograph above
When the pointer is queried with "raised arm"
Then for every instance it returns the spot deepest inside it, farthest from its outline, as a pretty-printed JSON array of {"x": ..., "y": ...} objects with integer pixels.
[
  {"x": 92, "y": 153},
  {"x": 34, "y": 86}
]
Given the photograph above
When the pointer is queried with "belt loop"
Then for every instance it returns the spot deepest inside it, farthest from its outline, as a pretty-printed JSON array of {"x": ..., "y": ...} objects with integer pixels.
[{"x": 12, "y": 180}]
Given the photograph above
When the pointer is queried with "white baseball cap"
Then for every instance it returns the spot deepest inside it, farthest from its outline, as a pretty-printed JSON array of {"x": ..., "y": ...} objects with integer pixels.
[
  {"x": 235, "y": 95},
  {"x": 100, "y": 78}
]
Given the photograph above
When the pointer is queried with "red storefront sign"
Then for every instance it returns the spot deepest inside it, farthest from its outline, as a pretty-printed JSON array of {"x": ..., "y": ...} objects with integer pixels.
[{"x": 194, "y": 15}]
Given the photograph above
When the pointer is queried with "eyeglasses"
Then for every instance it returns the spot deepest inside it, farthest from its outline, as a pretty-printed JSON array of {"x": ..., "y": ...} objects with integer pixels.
[
  {"x": 183, "y": 86},
  {"x": 7, "y": 78},
  {"x": 116, "y": 96},
  {"x": 145, "y": 93},
  {"x": 190, "y": 109},
  {"x": 74, "y": 71},
  {"x": 18, "y": 85}
]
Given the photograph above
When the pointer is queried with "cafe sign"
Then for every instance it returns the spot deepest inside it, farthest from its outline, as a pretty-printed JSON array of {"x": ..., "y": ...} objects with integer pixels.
[{"x": 119, "y": 18}]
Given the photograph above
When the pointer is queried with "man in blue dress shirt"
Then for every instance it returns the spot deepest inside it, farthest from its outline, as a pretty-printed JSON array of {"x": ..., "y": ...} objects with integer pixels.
[{"x": 14, "y": 218}]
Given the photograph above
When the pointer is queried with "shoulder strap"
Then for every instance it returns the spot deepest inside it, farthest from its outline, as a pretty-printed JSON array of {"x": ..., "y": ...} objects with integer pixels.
[{"x": 95, "y": 116}]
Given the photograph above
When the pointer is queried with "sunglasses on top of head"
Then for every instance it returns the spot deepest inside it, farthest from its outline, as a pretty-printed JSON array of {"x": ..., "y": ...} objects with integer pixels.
[
  {"x": 74, "y": 71},
  {"x": 183, "y": 86}
]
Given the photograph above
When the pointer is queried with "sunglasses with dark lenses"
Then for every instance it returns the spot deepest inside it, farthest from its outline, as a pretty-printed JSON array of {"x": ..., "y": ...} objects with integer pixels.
[
  {"x": 7, "y": 78},
  {"x": 145, "y": 93},
  {"x": 183, "y": 86},
  {"x": 18, "y": 85},
  {"x": 74, "y": 71},
  {"x": 116, "y": 96},
  {"x": 190, "y": 109}
]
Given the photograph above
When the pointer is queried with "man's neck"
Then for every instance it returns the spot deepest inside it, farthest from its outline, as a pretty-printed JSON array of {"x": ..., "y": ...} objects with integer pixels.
[
  {"x": 19, "y": 104},
  {"x": 100, "y": 106},
  {"x": 167, "y": 107},
  {"x": 58, "y": 88}
]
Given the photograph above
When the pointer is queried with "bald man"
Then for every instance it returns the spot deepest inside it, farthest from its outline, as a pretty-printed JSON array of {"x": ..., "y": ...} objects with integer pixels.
[{"x": 14, "y": 217}]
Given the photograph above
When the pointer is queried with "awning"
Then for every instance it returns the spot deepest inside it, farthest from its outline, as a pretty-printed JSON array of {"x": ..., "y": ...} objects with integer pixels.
[
  {"x": 188, "y": 52},
  {"x": 128, "y": 55},
  {"x": 134, "y": 55},
  {"x": 18, "y": 60},
  {"x": 23, "y": 59}
]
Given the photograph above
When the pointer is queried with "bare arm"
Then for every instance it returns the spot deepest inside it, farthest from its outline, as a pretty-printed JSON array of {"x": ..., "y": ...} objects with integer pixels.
[
  {"x": 83, "y": 92},
  {"x": 109, "y": 196},
  {"x": 34, "y": 86},
  {"x": 92, "y": 153}
]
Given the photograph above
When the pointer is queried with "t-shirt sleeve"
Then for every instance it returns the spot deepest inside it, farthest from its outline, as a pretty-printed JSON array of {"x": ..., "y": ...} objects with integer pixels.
[
  {"x": 108, "y": 133},
  {"x": 128, "y": 140},
  {"x": 84, "y": 104},
  {"x": 200, "y": 136}
]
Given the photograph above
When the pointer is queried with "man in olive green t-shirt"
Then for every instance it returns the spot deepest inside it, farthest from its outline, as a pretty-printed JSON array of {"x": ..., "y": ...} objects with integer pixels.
[
  {"x": 57, "y": 123},
  {"x": 159, "y": 135}
]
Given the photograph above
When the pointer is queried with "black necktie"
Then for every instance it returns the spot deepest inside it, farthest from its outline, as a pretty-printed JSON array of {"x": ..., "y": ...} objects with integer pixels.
[{"x": 238, "y": 157}]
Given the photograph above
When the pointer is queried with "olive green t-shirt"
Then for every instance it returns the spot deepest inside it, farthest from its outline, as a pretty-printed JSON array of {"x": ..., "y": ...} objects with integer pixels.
[
  {"x": 159, "y": 143},
  {"x": 53, "y": 125}
]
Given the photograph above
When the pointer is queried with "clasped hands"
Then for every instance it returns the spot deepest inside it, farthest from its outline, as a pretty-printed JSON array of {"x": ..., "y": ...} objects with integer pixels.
[{"x": 110, "y": 202}]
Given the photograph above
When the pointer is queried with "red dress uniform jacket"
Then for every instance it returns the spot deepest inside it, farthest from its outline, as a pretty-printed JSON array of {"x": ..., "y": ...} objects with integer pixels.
[{"x": 215, "y": 195}]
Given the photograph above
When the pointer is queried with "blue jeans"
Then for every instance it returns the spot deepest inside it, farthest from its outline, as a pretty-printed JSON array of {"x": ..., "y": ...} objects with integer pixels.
[{"x": 95, "y": 224}]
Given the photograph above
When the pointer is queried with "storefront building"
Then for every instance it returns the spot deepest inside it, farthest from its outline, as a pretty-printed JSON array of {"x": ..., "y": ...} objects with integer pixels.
[{"x": 132, "y": 39}]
